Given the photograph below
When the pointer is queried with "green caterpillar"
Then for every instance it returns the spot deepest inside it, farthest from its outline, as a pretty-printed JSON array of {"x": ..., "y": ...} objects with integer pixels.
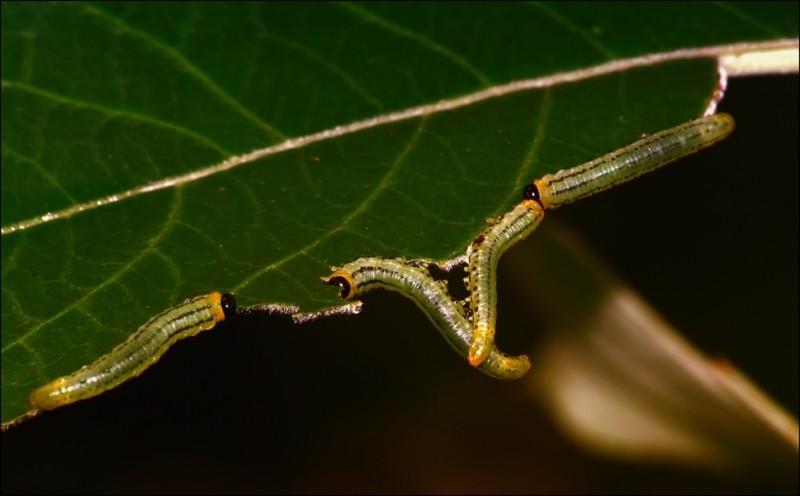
[
  {"x": 141, "y": 350},
  {"x": 431, "y": 296},
  {"x": 567, "y": 186}
]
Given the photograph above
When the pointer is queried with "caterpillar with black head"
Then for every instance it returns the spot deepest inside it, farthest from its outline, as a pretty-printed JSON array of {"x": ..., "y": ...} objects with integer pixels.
[
  {"x": 413, "y": 281},
  {"x": 566, "y": 186},
  {"x": 137, "y": 353}
]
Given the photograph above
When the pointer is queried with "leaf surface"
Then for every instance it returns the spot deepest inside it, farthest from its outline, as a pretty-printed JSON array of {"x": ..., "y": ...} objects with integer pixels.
[{"x": 154, "y": 152}]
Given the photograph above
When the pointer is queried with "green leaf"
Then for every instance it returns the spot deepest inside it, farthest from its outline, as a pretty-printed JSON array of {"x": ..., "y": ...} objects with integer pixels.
[{"x": 129, "y": 178}]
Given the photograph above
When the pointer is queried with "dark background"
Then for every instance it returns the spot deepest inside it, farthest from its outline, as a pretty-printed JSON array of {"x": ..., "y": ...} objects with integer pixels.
[{"x": 378, "y": 403}]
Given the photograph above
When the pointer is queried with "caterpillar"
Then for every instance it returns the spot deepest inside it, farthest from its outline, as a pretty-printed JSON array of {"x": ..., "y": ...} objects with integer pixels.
[
  {"x": 566, "y": 186},
  {"x": 412, "y": 280},
  {"x": 483, "y": 256},
  {"x": 642, "y": 156},
  {"x": 141, "y": 350}
]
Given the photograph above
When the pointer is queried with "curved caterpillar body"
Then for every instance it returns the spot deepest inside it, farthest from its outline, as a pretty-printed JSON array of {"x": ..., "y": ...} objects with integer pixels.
[
  {"x": 431, "y": 296},
  {"x": 565, "y": 186},
  {"x": 482, "y": 256},
  {"x": 141, "y": 350}
]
